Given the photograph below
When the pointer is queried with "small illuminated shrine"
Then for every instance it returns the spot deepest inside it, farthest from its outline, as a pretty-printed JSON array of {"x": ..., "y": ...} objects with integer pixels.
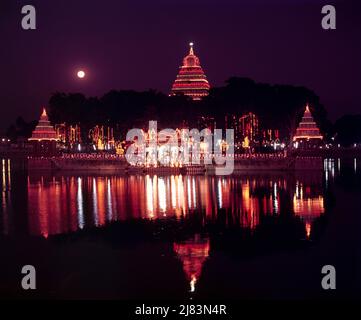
[
  {"x": 44, "y": 138},
  {"x": 307, "y": 129},
  {"x": 191, "y": 79}
]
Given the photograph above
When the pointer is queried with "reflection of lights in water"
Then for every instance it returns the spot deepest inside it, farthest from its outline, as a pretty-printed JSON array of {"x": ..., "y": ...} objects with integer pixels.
[
  {"x": 219, "y": 193},
  {"x": 3, "y": 171},
  {"x": 95, "y": 203},
  {"x": 275, "y": 200},
  {"x": 149, "y": 196},
  {"x": 193, "y": 283},
  {"x": 80, "y": 204},
  {"x": 101, "y": 194},
  {"x": 307, "y": 207},
  {"x": 155, "y": 190},
  {"x": 331, "y": 164},
  {"x": 329, "y": 168},
  {"x": 246, "y": 196},
  {"x": 189, "y": 192},
  {"x": 5, "y": 197},
  {"x": 134, "y": 197},
  {"x": 167, "y": 194},
  {"x": 312, "y": 207},
  {"x": 297, "y": 189},
  {"x": 193, "y": 253},
  {"x": 194, "y": 193},
  {"x": 339, "y": 164},
  {"x": 308, "y": 229},
  {"x": 173, "y": 191},
  {"x": 355, "y": 165},
  {"x": 9, "y": 174},
  {"x": 250, "y": 207},
  {"x": 109, "y": 201},
  {"x": 181, "y": 194},
  {"x": 162, "y": 195}
]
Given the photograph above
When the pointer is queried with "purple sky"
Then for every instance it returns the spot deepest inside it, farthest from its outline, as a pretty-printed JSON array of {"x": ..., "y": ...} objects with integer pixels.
[{"x": 139, "y": 44}]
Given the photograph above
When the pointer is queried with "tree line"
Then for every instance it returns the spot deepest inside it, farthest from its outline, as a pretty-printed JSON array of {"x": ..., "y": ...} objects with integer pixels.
[{"x": 277, "y": 107}]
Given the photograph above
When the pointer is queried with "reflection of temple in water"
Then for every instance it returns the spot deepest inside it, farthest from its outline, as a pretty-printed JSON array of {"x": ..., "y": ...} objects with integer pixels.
[
  {"x": 308, "y": 200},
  {"x": 60, "y": 204},
  {"x": 193, "y": 253}
]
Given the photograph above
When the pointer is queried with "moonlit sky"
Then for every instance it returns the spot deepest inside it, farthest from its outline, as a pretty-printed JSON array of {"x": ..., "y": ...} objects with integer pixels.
[{"x": 139, "y": 44}]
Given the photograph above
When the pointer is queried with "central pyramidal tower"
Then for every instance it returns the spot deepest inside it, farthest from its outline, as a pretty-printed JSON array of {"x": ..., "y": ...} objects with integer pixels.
[{"x": 191, "y": 80}]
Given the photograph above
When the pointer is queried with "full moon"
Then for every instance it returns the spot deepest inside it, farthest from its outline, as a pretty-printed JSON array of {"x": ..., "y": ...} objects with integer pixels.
[{"x": 81, "y": 74}]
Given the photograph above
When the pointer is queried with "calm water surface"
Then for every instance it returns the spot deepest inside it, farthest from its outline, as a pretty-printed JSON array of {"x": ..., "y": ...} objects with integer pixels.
[{"x": 257, "y": 235}]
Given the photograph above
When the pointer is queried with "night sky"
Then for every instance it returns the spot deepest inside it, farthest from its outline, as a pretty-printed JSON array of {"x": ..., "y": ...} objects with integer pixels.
[{"x": 139, "y": 44}]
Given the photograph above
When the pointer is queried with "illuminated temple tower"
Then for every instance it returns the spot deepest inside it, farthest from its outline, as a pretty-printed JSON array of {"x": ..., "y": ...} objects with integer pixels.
[
  {"x": 44, "y": 137},
  {"x": 191, "y": 80},
  {"x": 307, "y": 129}
]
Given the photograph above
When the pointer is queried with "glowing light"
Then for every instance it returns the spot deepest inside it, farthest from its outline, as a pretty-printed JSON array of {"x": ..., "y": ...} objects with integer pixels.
[
  {"x": 275, "y": 199},
  {"x": 95, "y": 203},
  {"x": 109, "y": 202},
  {"x": 162, "y": 195},
  {"x": 308, "y": 229},
  {"x": 189, "y": 192},
  {"x": 149, "y": 196},
  {"x": 173, "y": 192},
  {"x": 3, "y": 174},
  {"x": 80, "y": 204},
  {"x": 193, "y": 283},
  {"x": 219, "y": 193},
  {"x": 81, "y": 74}
]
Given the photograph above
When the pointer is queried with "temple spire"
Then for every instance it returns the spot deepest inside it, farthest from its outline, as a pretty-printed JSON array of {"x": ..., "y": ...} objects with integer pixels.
[
  {"x": 191, "y": 52},
  {"x": 44, "y": 115}
]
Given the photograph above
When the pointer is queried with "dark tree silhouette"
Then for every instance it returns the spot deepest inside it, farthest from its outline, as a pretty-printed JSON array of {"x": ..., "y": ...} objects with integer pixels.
[
  {"x": 21, "y": 129},
  {"x": 277, "y": 106},
  {"x": 348, "y": 130}
]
